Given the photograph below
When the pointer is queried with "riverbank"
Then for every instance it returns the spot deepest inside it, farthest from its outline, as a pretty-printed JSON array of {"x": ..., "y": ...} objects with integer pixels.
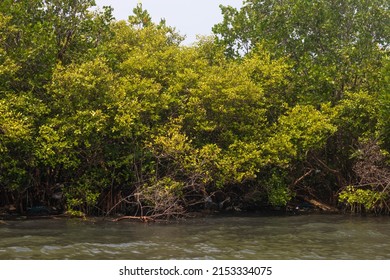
[{"x": 275, "y": 212}]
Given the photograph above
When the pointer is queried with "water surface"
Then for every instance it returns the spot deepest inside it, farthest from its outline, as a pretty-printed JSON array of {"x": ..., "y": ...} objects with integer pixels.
[{"x": 245, "y": 237}]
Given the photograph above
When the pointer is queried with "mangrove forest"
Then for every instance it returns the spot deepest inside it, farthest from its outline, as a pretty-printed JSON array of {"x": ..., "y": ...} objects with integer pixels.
[{"x": 286, "y": 106}]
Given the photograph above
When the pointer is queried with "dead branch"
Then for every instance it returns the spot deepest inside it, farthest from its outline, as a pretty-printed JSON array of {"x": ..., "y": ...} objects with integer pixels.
[
  {"x": 144, "y": 219},
  {"x": 302, "y": 177},
  {"x": 319, "y": 204}
]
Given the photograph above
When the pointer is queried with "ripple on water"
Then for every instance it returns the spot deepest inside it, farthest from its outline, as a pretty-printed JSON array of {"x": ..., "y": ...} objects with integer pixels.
[
  {"x": 376, "y": 234},
  {"x": 309, "y": 237},
  {"x": 126, "y": 245},
  {"x": 208, "y": 249},
  {"x": 246, "y": 252},
  {"x": 17, "y": 249},
  {"x": 48, "y": 249}
]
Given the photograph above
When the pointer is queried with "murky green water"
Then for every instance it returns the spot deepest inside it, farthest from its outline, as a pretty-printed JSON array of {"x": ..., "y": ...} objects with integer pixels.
[{"x": 287, "y": 237}]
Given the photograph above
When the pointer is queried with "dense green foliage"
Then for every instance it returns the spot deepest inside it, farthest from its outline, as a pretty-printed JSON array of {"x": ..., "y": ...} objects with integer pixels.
[{"x": 289, "y": 100}]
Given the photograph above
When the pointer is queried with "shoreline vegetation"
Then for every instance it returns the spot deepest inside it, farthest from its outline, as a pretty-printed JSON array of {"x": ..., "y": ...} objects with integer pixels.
[
  {"x": 285, "y": 108},
  {"x": 4, "y": 217}
]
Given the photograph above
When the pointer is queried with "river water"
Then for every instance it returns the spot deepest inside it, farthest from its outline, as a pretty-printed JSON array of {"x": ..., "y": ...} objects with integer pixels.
[{"x": 221, "y": 237}]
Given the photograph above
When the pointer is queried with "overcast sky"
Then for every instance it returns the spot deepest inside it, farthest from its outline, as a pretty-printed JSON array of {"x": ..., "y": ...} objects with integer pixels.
[{"x": 190, "y": 17}]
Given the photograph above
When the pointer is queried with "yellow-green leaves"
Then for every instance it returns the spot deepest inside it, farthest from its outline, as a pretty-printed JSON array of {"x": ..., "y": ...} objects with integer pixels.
[
  {"x": 358, "y": 113},
  {"x": 301, "y": 129},
  {"x": 78, "y": 87},
  {"x": 225, "y": 106},
  {"x": 356, "y": 198},
  {"x": 13, "y": 125}
]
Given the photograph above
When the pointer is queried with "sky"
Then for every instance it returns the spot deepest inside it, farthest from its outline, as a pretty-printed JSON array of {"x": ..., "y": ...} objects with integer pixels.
[{"x": 189, "y": 17}]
